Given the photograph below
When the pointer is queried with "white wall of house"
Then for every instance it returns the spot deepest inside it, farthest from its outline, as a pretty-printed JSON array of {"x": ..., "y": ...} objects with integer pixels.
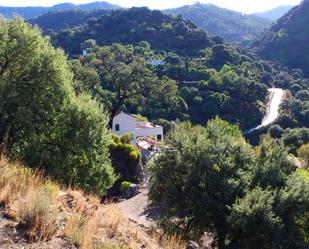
[
  {"x": 156, "y": 132},
  {"x": 125, "y": 123}
]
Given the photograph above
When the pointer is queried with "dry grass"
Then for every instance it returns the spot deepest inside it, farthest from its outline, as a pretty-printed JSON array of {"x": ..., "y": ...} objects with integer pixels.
[
  {"x": 42, "y": 209},
  {"x": 81, "y": 230},
  {"x": 118, "y": 231},
  {"x": 27, "y": 198},
  {"x": 113, "y": 218},
  {"x": 39, "y": 215},
  {"x": 173, "y": 242}
]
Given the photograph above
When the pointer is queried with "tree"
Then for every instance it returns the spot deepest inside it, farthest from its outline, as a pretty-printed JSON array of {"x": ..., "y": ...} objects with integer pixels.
[
  {"x": 127, "y": 82},
  {"x": 123, "y": 74},
  {"x": 211, "y": 179},
  {"x": 275, "y": 131},
  {"x": 303, "y": 153},
  {"x": 42, "y": 121}
]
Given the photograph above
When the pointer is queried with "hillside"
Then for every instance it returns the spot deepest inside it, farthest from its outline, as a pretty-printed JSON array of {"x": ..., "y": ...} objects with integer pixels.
[
  {"x": 276, "y": 13},
  {"x": 33, "y": 12},
  {"x": 232, "y": 26},
  {"x": 64, "y": 19},
  {"x": 134, "y": 25},
  {"x": 49, "y": 216},
  {"x": 288, "y": 40}
]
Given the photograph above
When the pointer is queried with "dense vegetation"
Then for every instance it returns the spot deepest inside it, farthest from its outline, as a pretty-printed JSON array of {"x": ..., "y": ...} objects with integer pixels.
[
  {"x": 220, "y": 82},
  {"x": 134, "y": 25},
  {"x": 232, "y": 26},
  {"x": 288, "y": 41},
  {"x": 33, "y": 12},
  {"x": 226, "y": 81},
  {"x": 42, "y": 121},
  {"x": 210, "y": 179}
]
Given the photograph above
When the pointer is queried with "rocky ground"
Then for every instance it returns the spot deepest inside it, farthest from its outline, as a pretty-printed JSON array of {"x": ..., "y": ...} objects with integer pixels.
[{"x": 12, "y": 237}]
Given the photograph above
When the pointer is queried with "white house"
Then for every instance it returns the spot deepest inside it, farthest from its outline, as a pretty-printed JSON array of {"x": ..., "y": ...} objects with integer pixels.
[
  {"x": 126, "y": 123},
  {"x": 155, "y": 62}
]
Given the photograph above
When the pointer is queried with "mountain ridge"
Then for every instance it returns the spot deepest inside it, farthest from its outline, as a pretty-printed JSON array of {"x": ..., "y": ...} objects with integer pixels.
[
  {"x": 276, "y": 13},
  {"x": 36, "y": 11},
  {"x": 287, "y": 41},
  {"x": 233, "y": 26}
]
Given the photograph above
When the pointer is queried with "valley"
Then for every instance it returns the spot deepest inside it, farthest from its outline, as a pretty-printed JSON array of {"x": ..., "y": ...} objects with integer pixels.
[{"x": 136, "y": 127}]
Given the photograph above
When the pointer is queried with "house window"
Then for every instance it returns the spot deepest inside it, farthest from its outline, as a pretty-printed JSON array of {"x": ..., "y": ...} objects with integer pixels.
[
  {"x": 159, "y": 137},
  {"x": 117, "y": 127}
]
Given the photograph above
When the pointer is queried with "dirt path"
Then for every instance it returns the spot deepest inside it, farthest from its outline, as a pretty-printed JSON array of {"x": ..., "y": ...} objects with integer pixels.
[{"x": 137, "y": 210}]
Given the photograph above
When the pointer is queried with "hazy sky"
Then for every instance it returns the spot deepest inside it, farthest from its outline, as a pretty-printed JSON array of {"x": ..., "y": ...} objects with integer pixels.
[{"x": 246, "y": 6}]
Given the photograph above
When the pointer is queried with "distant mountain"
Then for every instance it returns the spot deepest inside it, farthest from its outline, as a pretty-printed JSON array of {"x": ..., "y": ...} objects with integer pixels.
[
  {"x": 33, "y": 12},
  {"x": 288, "y": 40},
  {"x": 232, "y": 26},
  {"x": 131, "y": 26},
  {"x": 65, "y": 19},
  {"x": 276, "y": 13}
]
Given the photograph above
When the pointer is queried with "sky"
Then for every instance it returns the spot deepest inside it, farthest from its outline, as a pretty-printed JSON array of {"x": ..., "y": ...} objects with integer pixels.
[{"x": 245, "y": 6}]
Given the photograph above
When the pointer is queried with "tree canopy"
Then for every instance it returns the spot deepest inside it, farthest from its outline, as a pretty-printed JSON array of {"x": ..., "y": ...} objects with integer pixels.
[
  {"x": 210, "y": 179},
  {"x": 42, "y": 121}
]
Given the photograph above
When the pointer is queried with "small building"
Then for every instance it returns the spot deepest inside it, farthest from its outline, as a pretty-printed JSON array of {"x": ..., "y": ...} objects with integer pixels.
[
  {"x": 126, "y": 123},
  {"x": 155, "y": 62}
]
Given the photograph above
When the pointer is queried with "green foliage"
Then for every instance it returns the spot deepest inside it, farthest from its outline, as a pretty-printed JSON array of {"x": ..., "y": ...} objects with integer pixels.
[
  {"x": 303, "y": 153},
  {"x": 290, "y": 33},
  {"x": 126, "y": 138},
  {"x": 42, "y": 121},
  {"x": 126, "y": 82},
  {"x": 125, "y": 158},
  {"x": 162, "y": 32},
  {"x": 294, "y": 138},
  {"x": 224, "y": 94},
  {"x": 211, "y": 179},
  {"x": 125, "y": 185},
  {"x": 275, "y": 131}
]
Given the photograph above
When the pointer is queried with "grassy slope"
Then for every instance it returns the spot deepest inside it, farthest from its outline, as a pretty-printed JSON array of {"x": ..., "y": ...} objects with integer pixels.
[{"x": 46, "y": 213}]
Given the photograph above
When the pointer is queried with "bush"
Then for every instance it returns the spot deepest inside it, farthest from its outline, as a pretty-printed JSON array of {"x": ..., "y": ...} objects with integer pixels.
[
  {"x": 303, "y": 153},
  {"x": 125, "y": 185},
  {"x": 39, "y": 215},
  {"x": 275, "y": 131},
  {"x": 81, "y": 229},
  {"x": 126, "y": 138}
]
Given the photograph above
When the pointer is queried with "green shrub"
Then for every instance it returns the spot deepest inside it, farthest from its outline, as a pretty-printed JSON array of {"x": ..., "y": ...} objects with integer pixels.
[
  {"x": 134, "y": 155},
  {"x": 126, "y": 138},
  {"x": 128, "y": 148},
  {"x": 125, "y": 185}
]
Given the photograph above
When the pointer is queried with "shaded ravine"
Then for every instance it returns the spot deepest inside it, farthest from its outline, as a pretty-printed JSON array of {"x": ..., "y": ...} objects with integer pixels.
[{"x": 276, "y": 98}]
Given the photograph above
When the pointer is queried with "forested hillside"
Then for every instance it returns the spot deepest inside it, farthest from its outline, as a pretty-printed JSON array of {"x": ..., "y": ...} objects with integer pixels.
[
  {"x": 33, "y": 12},
  {"x": 288, "y": 40},
  {"x": 212, "y": 78},
  {"x": 134, "y": 25},
  {"x": 231, "y": 25},
  {"x": 65, "y": 19}
]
